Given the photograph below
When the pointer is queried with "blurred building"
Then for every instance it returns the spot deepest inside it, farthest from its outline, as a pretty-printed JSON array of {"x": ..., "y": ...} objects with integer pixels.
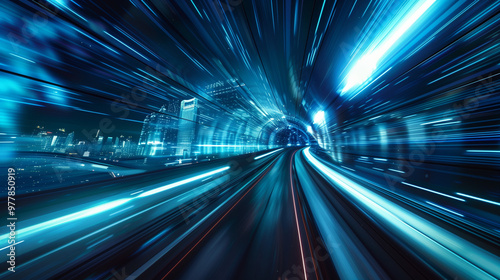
[
  {"x": 187, "y": 128},
  {"x": 159, "y": 131},
  {"x": 226, "y": 93},
  {"x": 226, "y": 139}
]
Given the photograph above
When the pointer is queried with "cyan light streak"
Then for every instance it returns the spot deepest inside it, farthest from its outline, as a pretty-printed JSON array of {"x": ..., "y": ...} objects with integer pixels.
[
  {"x": 479, "y": 199},
  {"x": 265, "y": 155},
  {"x": 107, "y": 206},
  {"x": 228, "y": 146},
  {"x": 182, "y": 182},
  {"x": 367, "y": 64},
  {"x": 452, "y": 253},
  {"x": 395, "y": 170},
  {"x": 349, "y": 262},
  {"x": 73, "y": 217},
  {"x": 165, "y": 250},
  {"x": 445, "y": 209},
  {"x": 435, "y": 192},
  {"x": 15, "y": 244},
  {"x": 483, "y": 151},
  {"x": 438, "y": 121}
]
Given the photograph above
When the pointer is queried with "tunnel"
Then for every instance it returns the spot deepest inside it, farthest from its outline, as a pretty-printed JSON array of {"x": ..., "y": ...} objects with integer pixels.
[{"x": 246, "y": 139}]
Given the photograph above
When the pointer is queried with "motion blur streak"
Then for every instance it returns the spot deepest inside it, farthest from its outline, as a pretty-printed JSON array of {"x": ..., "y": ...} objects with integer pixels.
[
  {"x": 201, "y": 239},
  {"x": 367, "y": 64},
  {"x": 72, "y": 217},
  {"x": 454, "y": 254},
  {"x": 182, "y": 182},
  {"x": 267, "y": 154},
  {"x": 250, "y": 139}
]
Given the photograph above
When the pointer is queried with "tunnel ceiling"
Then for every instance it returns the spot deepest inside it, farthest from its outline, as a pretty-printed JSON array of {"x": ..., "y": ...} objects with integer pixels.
[{"x": 281, "y": 58}]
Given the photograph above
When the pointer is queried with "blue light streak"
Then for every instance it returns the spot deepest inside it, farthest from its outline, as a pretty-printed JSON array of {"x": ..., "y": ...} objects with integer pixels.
[
  {"x": 367, "y": 64},
  {"x": 183, "y": 182},
  {"x": 267, "y": 154}
]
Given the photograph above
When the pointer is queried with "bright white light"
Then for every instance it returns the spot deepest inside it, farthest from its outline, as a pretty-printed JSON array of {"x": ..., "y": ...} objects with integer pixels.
[
  {"x": 361, "y": 71},
  {"x": 182, "y": 182},
  {"x": 438, "y": 121},
  {"x": 402, "y": 28},
  {"x": 272, "y": 119},
  {"x": 319, "y": 117},
  {"x": 283, "y": 117},
  {"x": 365, "y": 67},
  {"x": 309, "y": 129}
]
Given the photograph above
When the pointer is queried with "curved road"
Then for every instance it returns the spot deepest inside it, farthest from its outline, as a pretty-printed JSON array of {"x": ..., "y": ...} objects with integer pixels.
[{"x": 281, "y": 214}]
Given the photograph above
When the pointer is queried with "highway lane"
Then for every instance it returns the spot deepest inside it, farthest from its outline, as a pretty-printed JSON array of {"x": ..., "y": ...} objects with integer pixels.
[
  {"x": 415, "y": 237},
  {"x": 282, "y": 214},
  {"x": 292, "y": 225},
  {"x": 92, "y": 230},
  {"x": 260, "y": 237},
  {"x": 358, "y": 247}
]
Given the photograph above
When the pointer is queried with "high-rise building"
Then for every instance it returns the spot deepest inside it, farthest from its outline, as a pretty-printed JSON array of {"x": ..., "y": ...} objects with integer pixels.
[
  {"x": 69, "y": 140},
  {"x": 171, "y": 131},
  {"x": 159, "y": 131},
  {"x": 43, "y": 139},
  {"x": 107, "y": 149},
  {"x": 59, "y": 140},
  {"x": 98, "y": 145},
  {"x": 226, "y": 93},
  {"x": 187, "y": 127}
]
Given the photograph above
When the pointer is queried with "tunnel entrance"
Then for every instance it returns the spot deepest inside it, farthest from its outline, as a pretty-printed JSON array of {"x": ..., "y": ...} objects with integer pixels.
[
  {"x": 284, "y": 132},
  {"x": 289, "y": 137}
]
